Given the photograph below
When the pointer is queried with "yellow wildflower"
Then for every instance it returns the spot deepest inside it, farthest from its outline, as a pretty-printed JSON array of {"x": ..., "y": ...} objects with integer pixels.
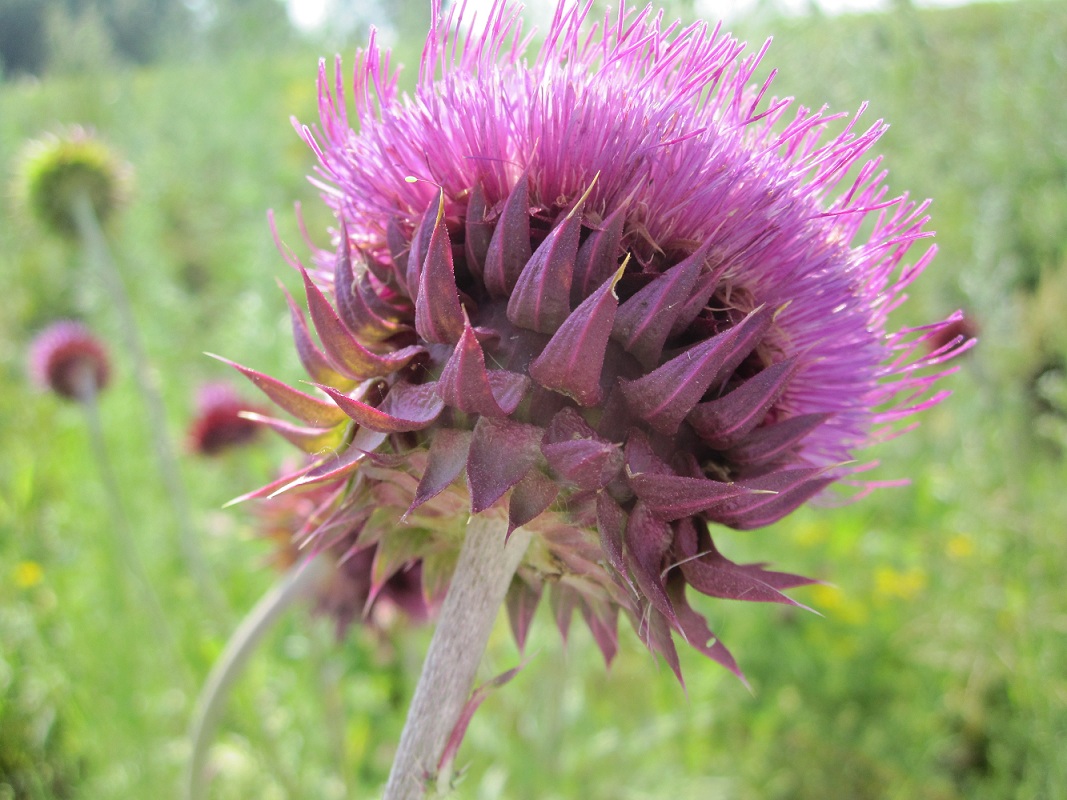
[
  {"x": 28, "y": 574},
  {"x": 894, "y": 584}
]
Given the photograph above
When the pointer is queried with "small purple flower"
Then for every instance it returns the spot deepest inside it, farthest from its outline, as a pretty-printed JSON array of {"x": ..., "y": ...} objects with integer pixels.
[
  {"x": 220, "y": 422},
  {"x": 66, "y": 358},
  {"x": 614, "y": 292}
]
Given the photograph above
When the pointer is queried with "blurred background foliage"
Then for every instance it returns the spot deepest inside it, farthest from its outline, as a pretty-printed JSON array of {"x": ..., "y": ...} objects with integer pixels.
[{"x": 939, "y": 666}]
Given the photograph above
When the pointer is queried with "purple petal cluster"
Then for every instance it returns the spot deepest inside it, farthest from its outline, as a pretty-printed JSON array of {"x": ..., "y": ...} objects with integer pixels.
[{"x": 612, "y": 291}]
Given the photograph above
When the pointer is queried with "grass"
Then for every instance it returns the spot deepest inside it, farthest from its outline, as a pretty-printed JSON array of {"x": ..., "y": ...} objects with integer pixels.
[{"x": 936, "y": 670}]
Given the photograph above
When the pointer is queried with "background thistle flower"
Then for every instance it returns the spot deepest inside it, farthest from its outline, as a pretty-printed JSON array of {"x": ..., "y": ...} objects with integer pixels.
[
  {"x": 960, "y": 329},
  {"x": 219, "y": 423},
  {"x": 630, "y": 302},
  {"x": 361, "y": 586},
  {"x": 343, "y": 578},
  {"x": 72, "y": 183},
  {"x": 57, "y": 169},
  {"x": 66, "y": 358}
]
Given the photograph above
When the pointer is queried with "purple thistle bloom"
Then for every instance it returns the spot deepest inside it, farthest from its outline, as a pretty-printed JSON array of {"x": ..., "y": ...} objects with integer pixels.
[
  {"x": 66, "y": 358},
  {"x": 223, "y": 420},
  {"x": 624, "y": 300}
]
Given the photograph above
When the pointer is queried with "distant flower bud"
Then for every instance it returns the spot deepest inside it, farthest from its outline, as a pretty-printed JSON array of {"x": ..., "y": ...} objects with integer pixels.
[
  {"x": 219, "y": 424},
  {"x": 959, "y": 330},
  {"x": 69, "y": 360},
  {"x": 362, "y": 587},
  {"x": 55, "y": 170}
]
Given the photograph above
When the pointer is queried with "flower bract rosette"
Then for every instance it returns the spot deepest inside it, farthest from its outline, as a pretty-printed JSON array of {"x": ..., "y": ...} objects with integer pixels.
[{"x": 612, "y": 291}]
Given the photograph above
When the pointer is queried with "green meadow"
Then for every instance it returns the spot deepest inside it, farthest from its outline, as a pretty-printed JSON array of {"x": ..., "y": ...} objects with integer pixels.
[{"x": 935, "y": 668}]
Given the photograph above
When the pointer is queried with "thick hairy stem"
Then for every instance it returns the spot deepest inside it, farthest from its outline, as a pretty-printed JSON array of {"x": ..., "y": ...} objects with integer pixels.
[{"x": 483, "y": 574}]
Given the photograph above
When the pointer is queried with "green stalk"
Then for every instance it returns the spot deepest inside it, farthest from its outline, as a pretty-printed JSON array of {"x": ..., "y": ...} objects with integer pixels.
[
  {"x": 85, "y": 382},
  {"x": 294, "y": 585},
  {"x": 96, "y": 246}
]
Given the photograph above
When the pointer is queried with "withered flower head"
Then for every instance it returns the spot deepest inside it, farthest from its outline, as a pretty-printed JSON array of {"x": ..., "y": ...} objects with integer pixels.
[{"x": 629, "y": 300}]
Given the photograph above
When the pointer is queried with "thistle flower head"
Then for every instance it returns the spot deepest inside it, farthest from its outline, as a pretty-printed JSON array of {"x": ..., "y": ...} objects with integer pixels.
[
  {"x": 614, "y": 292},
  {"x": 223, "y": 420},
  {"x": 362, "y": 586},
  {"x": 66, "y": 358},
  {"x": 59, "y": 167}
]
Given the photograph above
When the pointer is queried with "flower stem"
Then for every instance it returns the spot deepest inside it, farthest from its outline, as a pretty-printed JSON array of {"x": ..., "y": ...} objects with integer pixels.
[
  {"x": 85, "y": 383},
  {"x": 99, "y": 254},
  {"x": 484, "y": 572},
  {"x": 294, "y": 585}
]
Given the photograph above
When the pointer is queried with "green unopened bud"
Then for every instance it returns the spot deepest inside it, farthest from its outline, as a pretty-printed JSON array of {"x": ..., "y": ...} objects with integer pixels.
[{"x": 54, "y": 171}]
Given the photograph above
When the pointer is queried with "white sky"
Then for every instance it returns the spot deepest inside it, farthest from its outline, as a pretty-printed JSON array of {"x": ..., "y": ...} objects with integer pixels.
[
  {"x": 311, "y": 14},
  {"x": 307, "y": 14}
]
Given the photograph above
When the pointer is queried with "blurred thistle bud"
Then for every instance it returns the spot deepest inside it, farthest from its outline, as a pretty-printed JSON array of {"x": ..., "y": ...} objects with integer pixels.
[
  {"x": 55, "y": 170},
  {"x": 220, "y": 423},
  {"x": 66, "y": 358},
  {"x": 364, "y": 583},
  {"x": 960, "y": 329}
]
